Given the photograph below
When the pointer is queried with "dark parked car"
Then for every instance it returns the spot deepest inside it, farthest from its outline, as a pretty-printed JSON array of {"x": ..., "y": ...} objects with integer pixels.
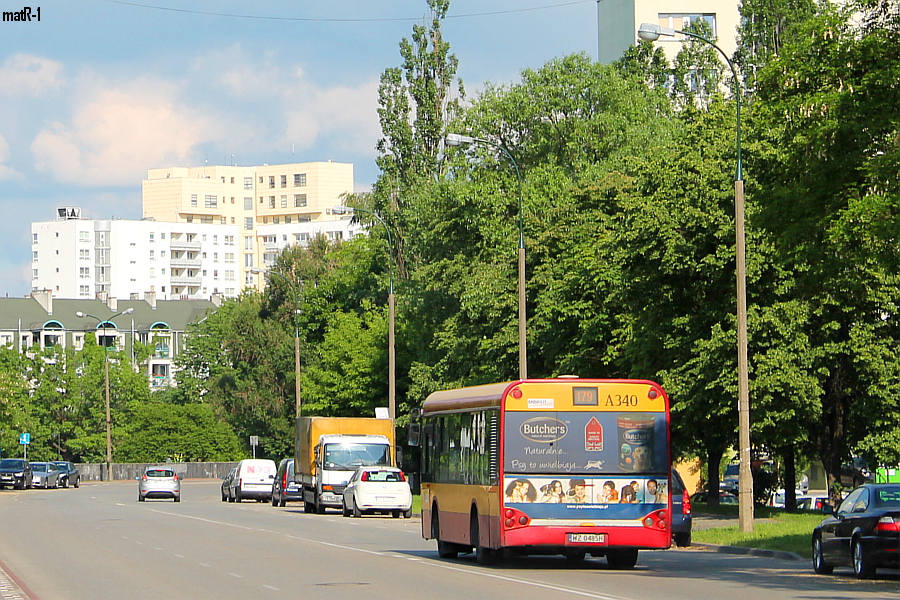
[
  {"x": 68, "y": 474},
  {"x": 682, "y": 520},
  {"x": 226, "y": 486},
  {"x": 724, "y": 498},
  {"x": 15, "y": 472},
  {"x": 863, "y": 533},
  {"x": 285, "y": 489},
  {"x": 855, "y": 472}
]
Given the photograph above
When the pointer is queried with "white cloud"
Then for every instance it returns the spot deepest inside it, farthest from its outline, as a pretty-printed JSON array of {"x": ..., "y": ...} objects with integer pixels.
[
  {"x": 30, "y": 76},
  {"x": 5, "y": 171},
  {"x": 117, "y": 133}
]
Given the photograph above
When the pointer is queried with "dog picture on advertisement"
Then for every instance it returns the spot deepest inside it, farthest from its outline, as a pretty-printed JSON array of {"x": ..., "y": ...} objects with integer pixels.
[{"x": 643, "y": 459}]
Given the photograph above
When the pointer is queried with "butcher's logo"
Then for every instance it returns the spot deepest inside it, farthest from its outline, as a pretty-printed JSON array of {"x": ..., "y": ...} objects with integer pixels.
[{"x": 544, "y": 429}]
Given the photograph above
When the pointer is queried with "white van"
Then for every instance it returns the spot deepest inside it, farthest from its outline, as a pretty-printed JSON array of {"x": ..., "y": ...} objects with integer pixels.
[{"x": 253, "y": 479}]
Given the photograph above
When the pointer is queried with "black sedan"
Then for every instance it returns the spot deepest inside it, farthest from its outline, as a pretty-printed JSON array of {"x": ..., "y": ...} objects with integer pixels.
[
  {"x": 863, "y": 533},
  {"x": 68, "y": 474}
]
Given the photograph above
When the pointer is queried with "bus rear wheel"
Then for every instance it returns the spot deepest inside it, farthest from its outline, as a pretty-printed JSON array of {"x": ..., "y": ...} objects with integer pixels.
[
  {"x": 483, "y": 554},
  {"x": 445, "y": 549},
  {"x": 622, "y": 559}
]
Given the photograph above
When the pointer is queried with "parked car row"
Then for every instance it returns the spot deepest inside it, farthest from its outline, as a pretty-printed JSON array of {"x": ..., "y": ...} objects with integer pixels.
[
  {"x": 20, "y": 474},
  {"x": 371, "y": 489}
]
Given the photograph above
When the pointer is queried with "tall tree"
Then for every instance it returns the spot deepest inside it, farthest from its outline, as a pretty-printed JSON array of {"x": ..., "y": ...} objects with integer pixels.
[{"x": 827, "y": 124}]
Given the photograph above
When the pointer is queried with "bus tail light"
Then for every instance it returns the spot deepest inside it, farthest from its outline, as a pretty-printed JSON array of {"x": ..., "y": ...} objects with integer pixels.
[
  {"x": 685, "y": 503},
  {"x": 513, "y": 519},
  {"x": 658, "y": 520}
]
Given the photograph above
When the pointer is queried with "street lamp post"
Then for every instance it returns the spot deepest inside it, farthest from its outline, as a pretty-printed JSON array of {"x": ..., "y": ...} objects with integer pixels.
[
  {"x": 105, "y": 323},
  {"x": 392, "y": 363},
  {"x": 455, "y": 139},
  {"x": 297, "y": 398},
  {"x": 651, "y": 32}
]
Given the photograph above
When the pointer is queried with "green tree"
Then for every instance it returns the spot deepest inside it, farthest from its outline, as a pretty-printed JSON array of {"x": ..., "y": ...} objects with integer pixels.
[{"x": 827, "y": 167}]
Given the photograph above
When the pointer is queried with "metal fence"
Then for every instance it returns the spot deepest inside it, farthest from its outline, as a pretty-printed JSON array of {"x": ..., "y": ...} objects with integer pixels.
[{"x": 120, "y": 471}]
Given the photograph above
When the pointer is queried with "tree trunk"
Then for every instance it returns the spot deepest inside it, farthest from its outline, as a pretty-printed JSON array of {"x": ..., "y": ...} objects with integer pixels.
[
  {"x": 790, "y": 480},
  {"x": 713, "y": 461}
]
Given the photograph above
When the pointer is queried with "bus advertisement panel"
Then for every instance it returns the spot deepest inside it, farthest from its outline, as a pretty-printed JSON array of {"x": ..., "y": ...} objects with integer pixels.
[{"x": 574, "y": 467}]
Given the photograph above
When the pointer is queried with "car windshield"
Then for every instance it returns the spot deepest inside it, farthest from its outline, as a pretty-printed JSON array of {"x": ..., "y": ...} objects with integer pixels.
[
  {"x": 349, "y": 456},
  {"x": 38, "y": 467},
  {"x": 382, "y": 476},
  {"x": 887, "y": 497},
  {"x": 161, "y": 473},
  {"x": 733, "y": 470},
  {"x": 12, "y": 463},
  {"x": 62, "y": 466}
]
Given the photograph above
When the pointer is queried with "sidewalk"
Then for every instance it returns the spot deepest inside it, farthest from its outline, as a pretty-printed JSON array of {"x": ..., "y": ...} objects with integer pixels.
[{"x": 711, "y": 521}]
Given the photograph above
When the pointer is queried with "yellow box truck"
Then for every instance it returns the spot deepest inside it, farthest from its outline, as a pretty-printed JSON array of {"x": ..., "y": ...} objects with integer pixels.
[{"x": 328, "y": 451}]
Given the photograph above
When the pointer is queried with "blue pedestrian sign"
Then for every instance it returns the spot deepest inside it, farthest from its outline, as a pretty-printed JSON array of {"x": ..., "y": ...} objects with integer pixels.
[{"x": 25, "y": 439}]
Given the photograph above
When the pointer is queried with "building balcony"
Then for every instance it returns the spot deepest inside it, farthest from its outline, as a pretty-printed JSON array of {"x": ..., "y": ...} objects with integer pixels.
[
  {"x": 179, "y": 244},
  {"x": 185, "y": 263},
  {"x": 185, "y": 280}
]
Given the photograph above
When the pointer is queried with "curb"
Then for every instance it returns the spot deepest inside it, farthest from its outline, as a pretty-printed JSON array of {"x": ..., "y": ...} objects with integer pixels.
[{"x": 781, "y": 554}]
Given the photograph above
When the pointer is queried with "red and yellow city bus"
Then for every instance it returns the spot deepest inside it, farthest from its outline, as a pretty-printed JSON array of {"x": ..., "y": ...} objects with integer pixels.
[{"x": 553, "y": 466}]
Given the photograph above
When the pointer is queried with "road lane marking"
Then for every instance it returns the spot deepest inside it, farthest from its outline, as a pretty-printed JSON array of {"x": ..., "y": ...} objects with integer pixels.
[
  {"x": 392, "y": 554},
  {"x": 271, "y": 587}
]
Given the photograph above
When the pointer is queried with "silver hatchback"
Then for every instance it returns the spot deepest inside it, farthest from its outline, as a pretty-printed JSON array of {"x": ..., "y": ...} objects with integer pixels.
[{"x": 159, "y": 482}]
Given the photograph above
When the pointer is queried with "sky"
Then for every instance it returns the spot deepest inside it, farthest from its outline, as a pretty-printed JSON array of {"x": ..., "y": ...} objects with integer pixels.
[{"x": 99, "y": 91}]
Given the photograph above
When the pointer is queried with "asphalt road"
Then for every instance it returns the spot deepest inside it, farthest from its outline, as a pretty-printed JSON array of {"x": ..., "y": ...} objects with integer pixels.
[{"x": 99, "y": 543}]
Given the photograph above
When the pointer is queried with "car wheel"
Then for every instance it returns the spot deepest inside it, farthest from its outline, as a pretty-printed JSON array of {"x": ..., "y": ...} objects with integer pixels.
[
  {"x": 224, "y": 497},
  {"x": 140, "y": 498},
  {"x": 622, "y": 559},
  {"x": 274, "y": 499},
  {"x": 237, "y": 495},
  {"x": 682, "y": 538},
  {"x": 320, "y": 508},
  {"x": 818, "y": 558},
  {"x": 282, "y": 501},
  {"x": 862, "y": 566},
  {"x": 77, "y": 483},
  {"x": 177, "y": 498},
  {"x": 356, "y": 512},
  {"x": 345, "y": 512},
  {"x": 308, "y": 507},
  {"x": 395, "y": 514},
  {"x": 407, "y": 514}
]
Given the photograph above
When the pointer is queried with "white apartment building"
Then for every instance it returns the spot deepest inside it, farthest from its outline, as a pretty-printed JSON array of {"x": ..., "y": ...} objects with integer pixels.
[
  {"x": 80, "y": 258},
  {"x": 272, "y": 205},
  {"x": 619, "y": 20}
]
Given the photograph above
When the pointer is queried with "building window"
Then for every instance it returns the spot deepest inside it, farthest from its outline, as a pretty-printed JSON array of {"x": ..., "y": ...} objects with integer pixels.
[
  {"x": 84, "y": 290},
  {"x": 248, "y": 222},
  {"x": 229, "y": 240},
  {"x": 193, "y": 199},
  {"x": 271, "y": 181},
  {"x": 85, "y": 236},
  {"x": 287, "y": 219},
  {"x": 299, "y": 179},
  {"x": 276, "y": 220},
  {"x": 207, "y": 219},
  {"x": 84, "y": 254},
  {"x": 34, "y": 274},
  {"x": 210, "y": 201},
  {"x": 299, "y": 200},
  {"x": 683, "y": 21},
  {"x": 152, "y": 257},
  {"x": 162, "y": 235},
  {"x": 34, "y": 238},
  {"x": 271, "y": 201},
  {"x": 84, "y": 272},
  {"x": 248, "y": 183},
  {"x": 284, "y": 181},
  {"x": 34, "y": 255},
  {"x": 248, "y": 260},
  {"x": 283, "y": 201},
  {"x": 248, "y": 202},
  {"x": 248, "y": 243}
]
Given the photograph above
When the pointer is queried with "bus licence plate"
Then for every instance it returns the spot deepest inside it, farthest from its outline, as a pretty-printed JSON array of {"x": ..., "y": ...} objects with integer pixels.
[{"x": 587, "y": 538}]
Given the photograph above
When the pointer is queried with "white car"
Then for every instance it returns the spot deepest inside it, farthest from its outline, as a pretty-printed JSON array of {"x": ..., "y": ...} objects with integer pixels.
[{"x": 377, "y": 489}]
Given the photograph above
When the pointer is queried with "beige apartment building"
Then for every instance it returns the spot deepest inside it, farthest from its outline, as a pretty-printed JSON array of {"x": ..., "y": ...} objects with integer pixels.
[
  {"x": 296, "y": 197},
  {"x": 619, "y": 20}
]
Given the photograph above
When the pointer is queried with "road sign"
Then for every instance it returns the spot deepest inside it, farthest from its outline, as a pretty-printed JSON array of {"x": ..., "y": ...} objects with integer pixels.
[
  {"x": 25, "y": 439},
  {"x": 254, "y": 440}
]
